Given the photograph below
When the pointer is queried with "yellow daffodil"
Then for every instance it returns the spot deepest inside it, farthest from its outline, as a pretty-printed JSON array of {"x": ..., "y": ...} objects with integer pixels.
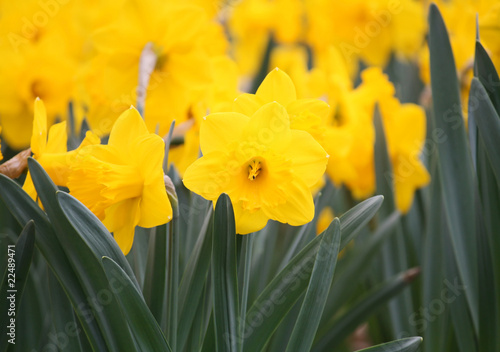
[
  {"x": 367, "y": 30},
  {"x": 51, "y": 152},
  {"x": 264, "y": 166},
  {"x": 183, "y": 41},
  {"x": 305, "y": 114},
  {"x": 122, "y": 182}
]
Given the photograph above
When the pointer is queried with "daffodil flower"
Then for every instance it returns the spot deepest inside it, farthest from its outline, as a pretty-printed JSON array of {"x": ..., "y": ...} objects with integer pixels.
[
  {"x": 122, "y": 182},
  {"x": 264, "y": 166},
  {"x": 52, "y": 152}
]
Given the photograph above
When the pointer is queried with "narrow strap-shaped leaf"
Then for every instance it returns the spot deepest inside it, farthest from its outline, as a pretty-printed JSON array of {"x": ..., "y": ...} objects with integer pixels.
[
  {"x": 321, "y": 279},
  {"x": 361, "y": 310},
  {"x": 486, "y": 73},
  {"x": 147, "y": 332},
  {"x": 409, "y": 344},
  {"x": 343, "y": 287},
  {"x": 66, "y": 331},
  {"x": 433, "y": 267},
  {"x": 23, "y": 208},
  {"x": 269, "y": 309},
  {"x": 193, "y": 280},
  {"x": 14, "y": 281},
  {"x": 456, "y": 169},
  {"x": 83, "y": 258},
  {"x": 224, "y": 276},
  {"x": 155, "y": 278},
  {"x": 488, "y": 123},
  {"x": 394, "y": 257}
]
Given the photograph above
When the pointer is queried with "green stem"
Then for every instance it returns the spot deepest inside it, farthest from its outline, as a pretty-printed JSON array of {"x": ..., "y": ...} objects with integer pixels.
[{"x": 248, "y": 246}]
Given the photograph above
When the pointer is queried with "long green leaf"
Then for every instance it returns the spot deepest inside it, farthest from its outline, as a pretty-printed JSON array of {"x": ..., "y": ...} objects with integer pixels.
[
  {"x": 456, "y": 170},
  {"x": 224, "y": 276},
  {"x": 84, "y": 259},
  {"x": 433, "y": 268},
  {"x": 147, "y": 332},
  {"x": 193, "y": 280},
  {"x": 269, "y": 309},
  {"x": 486, "y": 73},
  {"x": 23, "y": 208},
  {"x": 14, "y": 281},
  {"x": 394, "y": 256},
  {"x": 368, "y": 304},
  {"x": 317, "y": 291},
  {"x": 155, "y": 278},
  {"x": 488, "y": 124},
  {"x": 409, "y": 344}
]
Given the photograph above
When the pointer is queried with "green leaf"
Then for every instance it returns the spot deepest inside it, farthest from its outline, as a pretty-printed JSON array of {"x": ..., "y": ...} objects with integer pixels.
[
  {"x": 394, "y": 256},
  {"x": 433, "y": 266},
  {"x": 14, "y": 281},
  {"x": 269, "y": 309},
  {"x": 224, "y": 276},
  {"x": 486, "y": 73},
  {"x": 155, "y": 278},
  {"x": 409, "y": 344},
  {"x": 82, "y": 248},
  {"x": 66, "y": 331},
  {"x": 193, "y": 280},
  {"x": 317, "y": 292},
  {"x": 23, "y": 208},
  {"x": 488, "y": 124},
  {"x": 361, "y": 310},
  {"x": 147, "y": 332},
  {"x": 356, "y": 268},
  {"x": 456, "y": 170}
]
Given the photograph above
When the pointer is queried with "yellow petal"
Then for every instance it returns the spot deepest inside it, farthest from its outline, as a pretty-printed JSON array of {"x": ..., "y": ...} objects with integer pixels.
[
  {"x": 247, "y": 104},
  {"x": 121, "y": 219},
  {"x": 29, "y": 187},
  {"x": 299, "y": 206},
  {"x": 155, "y": 206},
  {"x": 308, "y": 156},
  {"x": 219, "y": 130},
  {"x": 409, "y": 175},
  {"x": 314, "y": 106},
  {"x": 39, "y": 136},
  {"x": 209, "y": 175},
  {"x": 248, "y": 222},
  {"x": 277, "y": 86},
  {"x": 269, "y": 127},
  {"x": 126, "y": 129},
  {"x": 58, "y": 138},
  {"x": 148, "y": 152}
]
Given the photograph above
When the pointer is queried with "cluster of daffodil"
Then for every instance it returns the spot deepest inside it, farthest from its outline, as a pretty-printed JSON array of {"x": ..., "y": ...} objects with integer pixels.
[{"x": 269, "y": 150}]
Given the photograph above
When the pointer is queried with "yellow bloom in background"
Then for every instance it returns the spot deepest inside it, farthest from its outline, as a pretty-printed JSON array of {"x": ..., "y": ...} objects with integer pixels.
[
  {"x": 51, "y": 151},
  {"x": 252, "y": 22},
  {"x": 265, "y": 167},
  {"x": 39, "y": 59},
  {"x": 367, "y": 30},
  {"x": 305, "y": 114},
  {"x": 122, "y": 182},
  {"x": 184, "y": 41},
  {"x": 218, "y": 99}
]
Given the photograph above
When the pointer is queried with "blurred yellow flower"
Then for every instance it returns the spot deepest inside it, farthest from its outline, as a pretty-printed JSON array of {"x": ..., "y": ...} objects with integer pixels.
[
  {"x": 368, "y": 30},
  {"x": 264, "y": 166},
  {"x": 184, "y": 41},
  {"x": 39, "y": 59},
  {"x": 122, "y": 182},
  {"x": 252, "y": 22},
  {"x": 52, "y": 152}
]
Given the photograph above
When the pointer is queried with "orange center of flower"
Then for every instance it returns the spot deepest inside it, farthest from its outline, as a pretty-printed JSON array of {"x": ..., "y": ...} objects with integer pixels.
[{"x": 254, "y": 169}]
